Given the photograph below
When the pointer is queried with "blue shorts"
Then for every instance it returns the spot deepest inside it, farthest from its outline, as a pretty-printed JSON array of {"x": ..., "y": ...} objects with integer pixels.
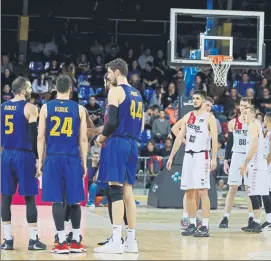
[
  {"x": 121, "y": 159},
  {"x": 18, "y": 167},
  {"x": 62, "y": 179},
  {"x": 102, "y": 175}
]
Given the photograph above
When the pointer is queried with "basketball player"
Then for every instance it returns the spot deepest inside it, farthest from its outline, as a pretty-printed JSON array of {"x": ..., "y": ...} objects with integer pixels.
[
  {"x": 236, "y": 152},
  {"x": 175, "y": 130},
  {"x": 121, "y": 132},
  {"x": 63, "y": 126},
  {"x": 197, "y": 126},
  {"x": 255, "y": 167},
  {"x": 19, "y": 143}
]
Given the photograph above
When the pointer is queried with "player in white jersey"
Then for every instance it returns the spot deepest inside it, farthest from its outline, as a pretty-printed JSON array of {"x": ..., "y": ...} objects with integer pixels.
[
  {"x": 236, "y": 152},
  {"x": 197, "y": 126},
  {"x": 208, "y": 103},
  {"x": 255, "y": 167}
]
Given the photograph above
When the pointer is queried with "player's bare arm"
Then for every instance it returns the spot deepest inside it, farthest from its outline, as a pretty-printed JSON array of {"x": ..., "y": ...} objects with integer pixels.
[
  {"x": 176, "y": 127},
  {"x": 229, "y": 147},
  {"x": 41, "y": 137},
  {"x": 214, "y": 136},
  {"x": 253, "y": 134},
  {"x": 83, "y": 139}
]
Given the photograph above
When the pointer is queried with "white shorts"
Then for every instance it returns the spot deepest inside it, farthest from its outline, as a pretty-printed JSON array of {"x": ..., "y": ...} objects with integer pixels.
[
  {"x": 257, "y": 182},
  {"x": 196, "y": 171},
  {"x": 235, "y": 178}
]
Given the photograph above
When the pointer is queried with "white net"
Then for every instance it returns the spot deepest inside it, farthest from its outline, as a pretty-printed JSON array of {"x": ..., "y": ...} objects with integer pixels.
[{"x": 220, "y": 65}]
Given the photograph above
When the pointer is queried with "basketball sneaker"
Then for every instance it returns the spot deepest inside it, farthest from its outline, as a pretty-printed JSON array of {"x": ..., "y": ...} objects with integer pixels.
[
  {"x": 7, "y": 244},
  {"x": 111, "y": 247},
  {"x": 199, "y": 222},
  {"x": 69, "y": 238},
  {"x": 106, "y": 241},
  {"x": 203, "y": 231},
  {"x": 256, "y": 227},
  {"x": 224, "y": 223},
  {"x": 130, "y": 246},
  {"x": 61, "y": 248},
  {"x": 190, "y": 230},
  {"x": 36, "y": 245},
  {"x": 249, "y": 227},
  {"x": 184, "y": 223},
  {"x": 266, "y": 224},
  {"x": 77, "y": 247}
]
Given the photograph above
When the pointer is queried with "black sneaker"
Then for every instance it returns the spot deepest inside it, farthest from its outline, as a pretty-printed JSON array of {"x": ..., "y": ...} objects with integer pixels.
[
  {"x": 266, "y": 224},
  {"x": 7, "y": 245},
  {"x": 248, "y": 228},
  {"x": 224, "y": 223},
  {"x": 69, "y": 238},
  {"x": 36, "y": 245},
  {"x": 189, "y": 231},
  {"x": 256, "y": 227},
  {"x": 203, "y": 231}
]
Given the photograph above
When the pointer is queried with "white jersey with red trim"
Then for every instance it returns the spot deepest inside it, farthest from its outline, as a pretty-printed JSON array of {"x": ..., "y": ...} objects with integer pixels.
[
  {"x": 197, "y": 133},
  {"x": 240, "y": 131}
]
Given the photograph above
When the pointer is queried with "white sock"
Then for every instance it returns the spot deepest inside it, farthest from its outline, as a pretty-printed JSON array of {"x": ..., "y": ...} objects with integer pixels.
[
  {"x": 193, "y": 221},
  {"x": 205, "y": 222},
  {"x": 268, "y": 217},
  {"x": 76, "y": 234},
  {"x": 61, "y": 236},
  {"x": 130, "y": 234},
  {"x": 126, "y": 228},
  {"x": 227, "y": 215},
  {"x": 33, "y": 232},
  {"x": 197, "y": 213},
  {"x": 250, "y": 214},
  {"x": 117, "y": 233},
  {"x": 7, "y": 231},
  {"x": 257, "y": 220},
  {"x": 185, "y": 215}
]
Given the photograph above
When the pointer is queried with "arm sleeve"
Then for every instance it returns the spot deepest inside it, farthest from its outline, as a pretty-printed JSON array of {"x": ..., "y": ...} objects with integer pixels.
[
  {"x": 228, "y": 151},
  {"x": 33, "y": 132},
  {"x": 112, "y": 121}
]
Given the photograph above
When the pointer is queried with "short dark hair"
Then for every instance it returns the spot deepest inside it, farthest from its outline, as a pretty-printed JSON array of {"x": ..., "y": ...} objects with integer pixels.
[
  {"x": 19, "y": 84},
  {"x": 267, "y": 115},
  {"x": 118, "y": 64},
  {"x": 201, "y": 93},
  {"x": 245, "y": 99},
  {"x": 63, "y": 83},
  {"x": 209, "y": 99}
]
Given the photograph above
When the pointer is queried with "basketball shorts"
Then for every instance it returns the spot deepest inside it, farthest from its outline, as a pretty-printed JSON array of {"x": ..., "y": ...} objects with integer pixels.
[
  {"x": 18, "y": 167},
  {"x": 196, "y": 171},
  {"x": 102, "y": 175},
  {"x": 257, "y": 182},
  {"x": 121, "y": 159},
  {"x": 62, "y": 179},
  {"x": 269, "y": 177},
  {"x": 235, "y": 178}
]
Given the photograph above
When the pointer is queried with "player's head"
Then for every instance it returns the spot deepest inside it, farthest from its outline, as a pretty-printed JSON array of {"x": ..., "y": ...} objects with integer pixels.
[
  {"x": 22, "y": 87},
  {"x": 107, "y": 83},
  {"x": 209, "y": 102},
  {"x": 116, "y": 70},
  {"x": 249, "y": 114},
  {"x": 244, "y": 103},
  {"x": 64, "y": 84},
  {"x": 198, "y": 99},
  {"x": 267, "y": 120}
]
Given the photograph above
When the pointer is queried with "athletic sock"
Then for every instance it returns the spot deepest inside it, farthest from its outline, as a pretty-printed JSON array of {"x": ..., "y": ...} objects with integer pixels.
[
  {"x": 61, "y": 236},
  {"x": 68, "y": 226},
  {"x": 185, "y": 215},
  {"x": 126, "y": 229},
  {"x": 33, "y": 232},
  {"x": 205, "y": 222},
  {"x": 268, "y": 217},
  {"x": 250, "y": 214},
  {"x": 198, "y": 213},
  {"x": 7, "y": 228},
  {"x": 130, "y": 234},
  {"x": 117, "y": 233},
  {"x": 227, "y": 215},
  {"x": 193, "y": 221},
  {"x": 76, "y": 235}
]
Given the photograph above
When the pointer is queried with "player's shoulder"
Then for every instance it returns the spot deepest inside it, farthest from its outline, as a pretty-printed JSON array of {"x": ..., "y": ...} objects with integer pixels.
[
  {"x": 211, "y": 117},
  {"x": 31, "y": 108}
]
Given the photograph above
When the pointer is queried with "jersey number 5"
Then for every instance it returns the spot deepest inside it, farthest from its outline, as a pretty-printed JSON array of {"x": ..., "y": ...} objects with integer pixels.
[
  {"x": 9, "y": 124},
  {"x": 136, "y": 109},
  {"x": 65, "y": 129}
]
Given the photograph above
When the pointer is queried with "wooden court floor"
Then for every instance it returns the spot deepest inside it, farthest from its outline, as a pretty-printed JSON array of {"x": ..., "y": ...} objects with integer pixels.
[{"x": 157, "y": 233}]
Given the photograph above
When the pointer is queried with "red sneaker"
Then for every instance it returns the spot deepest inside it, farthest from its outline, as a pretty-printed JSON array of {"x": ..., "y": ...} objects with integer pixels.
[
  {"x": 77, "y": 247},
  {"x": 61, "y": 248}
]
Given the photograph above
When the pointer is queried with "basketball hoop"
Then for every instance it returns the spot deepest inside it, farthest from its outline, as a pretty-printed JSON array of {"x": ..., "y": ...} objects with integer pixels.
[{"x": 220, "y": 65}]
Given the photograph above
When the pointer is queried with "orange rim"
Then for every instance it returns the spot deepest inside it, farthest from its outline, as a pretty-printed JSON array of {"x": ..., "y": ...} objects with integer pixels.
[{"x": 217, "y": 59}]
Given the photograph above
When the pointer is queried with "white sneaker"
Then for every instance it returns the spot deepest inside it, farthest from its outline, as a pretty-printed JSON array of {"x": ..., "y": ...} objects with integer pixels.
[
  {"x": 111, "y": 247},
  {"x": 130, "y": 246}
]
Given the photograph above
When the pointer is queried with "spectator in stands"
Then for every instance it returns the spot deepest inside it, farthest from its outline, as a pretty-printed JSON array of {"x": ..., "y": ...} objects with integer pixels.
[
  {"x": 82, "y": 65},
  {"x": 6, "y": 78},
  {"x": 148, "y": 115},
  {"x": 94, "y": 111},
  {"x": 260, "y": 117},
  {"x": 135, "y": 82},
  {"x": 265, "y": 102},
  {"x": 171, "y": 112},
  {"x": 145, "y": 58},
  {"x": 155, "y": 113},
  {"x": 267, "y": 73},
  {"x": 134, "y": 70},
  {"x": 6, "y": 94},
  {"x": 149, "y": 77},
  {"x": 113, "y": 43},
  {"x": 160, "y": 65},
  {"x": 40, "y": 84},
  {"x": 21, "y": 68},
  {"x": 112, "y": 55},
  {"x": 165, "y": 152},
  {"x": 229, "y": 100},
  {"x": 262, "y": 85},
  {"x": 244, "y": 85},
  {"x": 130, "y": 58},
  {"x": 54, "y": 69},
  {"x": 171, "y": 95},
  {"x": 98, "y": 71},
  {"x": 180, "y": 84},
  {"x": 157, "y": 96},
  {"x": 199, "y": 84},
  {"x": 97, "y": 49},
  {"x": 161, "y": 128},
  {"x": 50, "y": 48},
  {"x": 6, "y": 64},
  {"x": 250, "y": 94}
]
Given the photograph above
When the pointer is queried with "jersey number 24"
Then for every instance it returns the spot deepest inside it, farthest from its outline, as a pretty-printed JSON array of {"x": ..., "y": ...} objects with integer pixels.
[{"x": 65, "y": 129}]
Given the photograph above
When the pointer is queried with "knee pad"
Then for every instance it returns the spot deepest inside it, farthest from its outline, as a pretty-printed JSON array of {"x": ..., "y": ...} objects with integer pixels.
[
  {"x": 116, "y": 192},
  {"x": 31, "y": 209},
  {"x": 5, "y": 208}
]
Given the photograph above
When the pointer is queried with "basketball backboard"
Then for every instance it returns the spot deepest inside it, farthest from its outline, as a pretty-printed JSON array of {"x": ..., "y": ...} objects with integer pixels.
[{"x": 197, "y": 33}]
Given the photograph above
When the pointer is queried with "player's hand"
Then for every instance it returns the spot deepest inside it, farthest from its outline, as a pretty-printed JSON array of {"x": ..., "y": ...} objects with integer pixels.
[
  {"x": 169, "y": 163},
  {"x": 243, "y": 170},
  {"x": 38, "y": 173},
  {"x": 85, "y": 172},
  {"x": 213, "y": 164},
  {"x": 226, "y": 167}
]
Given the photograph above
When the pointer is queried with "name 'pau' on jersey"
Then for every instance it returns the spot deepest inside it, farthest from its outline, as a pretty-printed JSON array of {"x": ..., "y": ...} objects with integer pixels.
[
  {"x": 240, "y": 132},
  {"x": 197, "y": 133}
]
